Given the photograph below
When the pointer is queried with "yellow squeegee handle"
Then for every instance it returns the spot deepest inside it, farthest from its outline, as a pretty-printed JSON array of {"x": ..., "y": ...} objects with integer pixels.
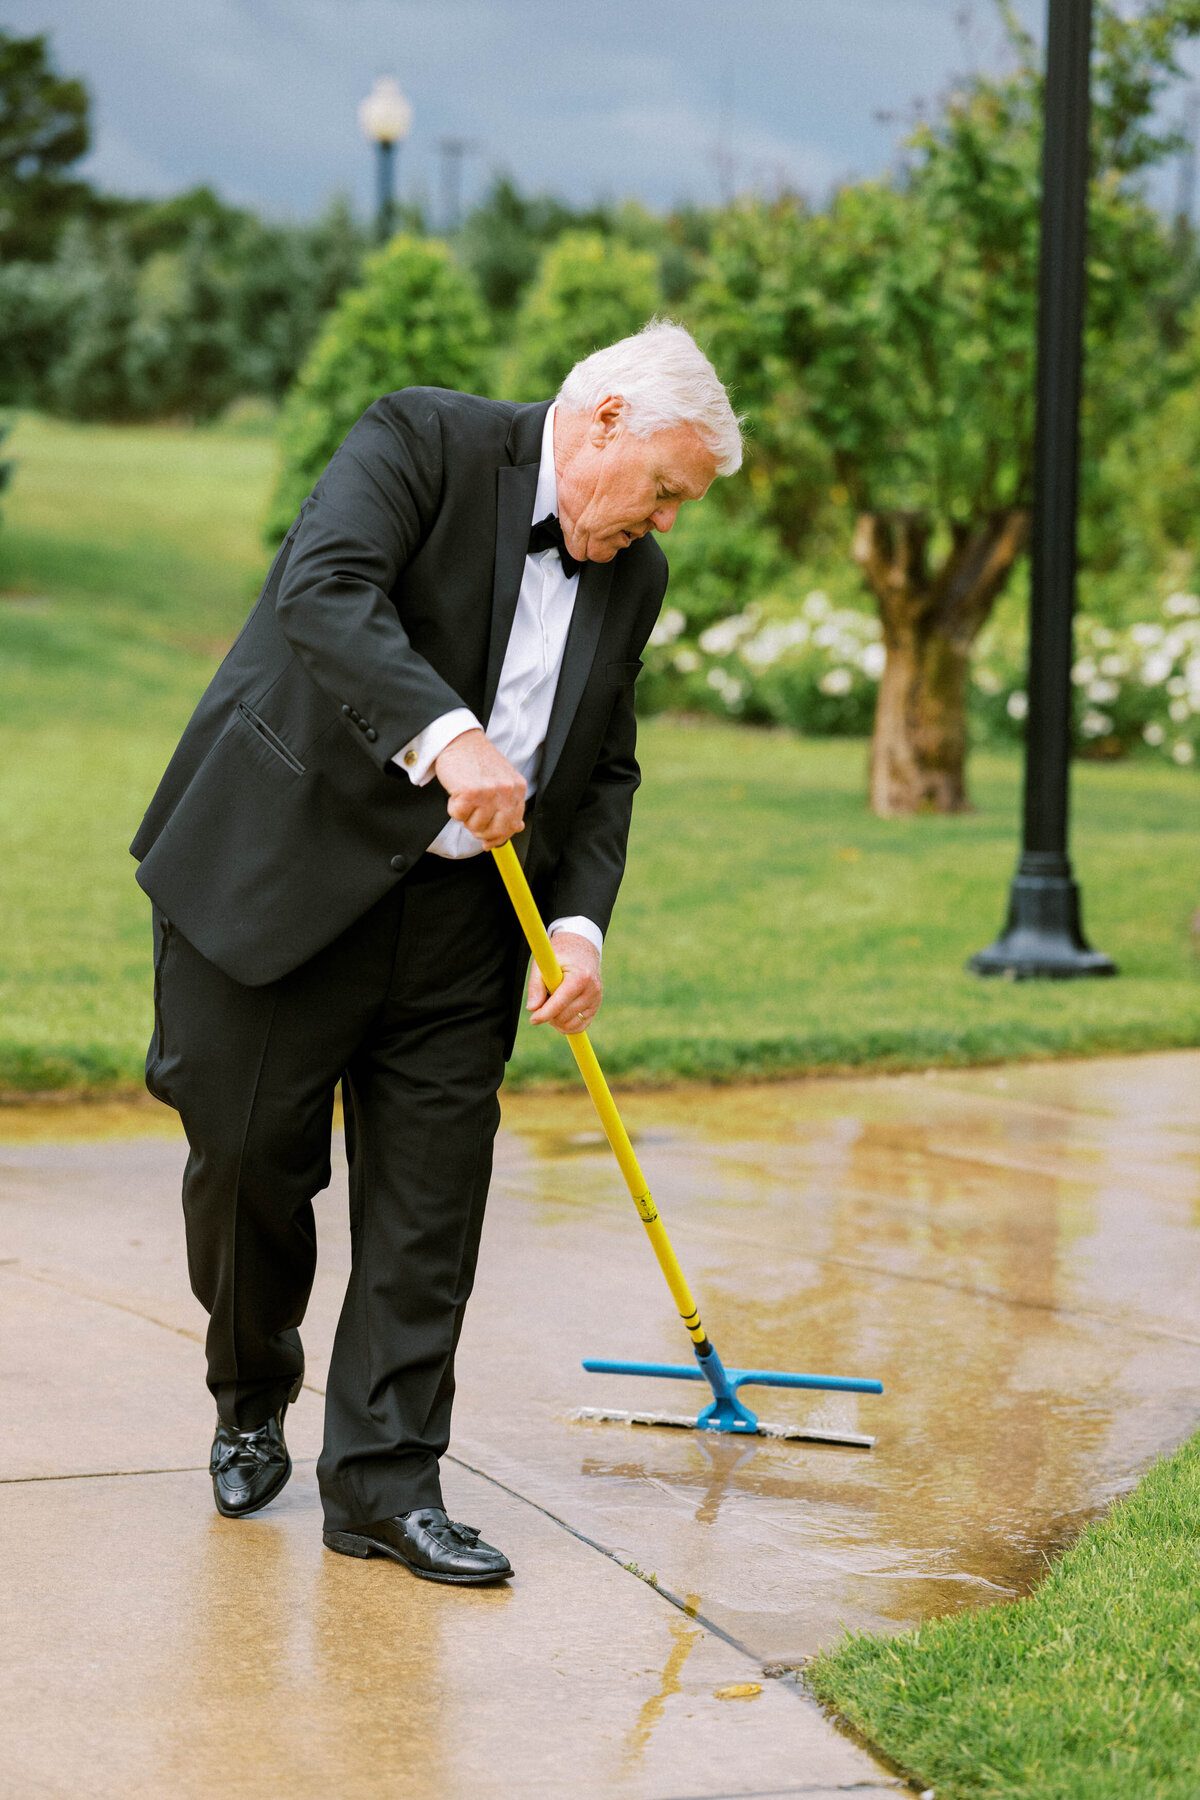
[{"x": 513, "y": 877}]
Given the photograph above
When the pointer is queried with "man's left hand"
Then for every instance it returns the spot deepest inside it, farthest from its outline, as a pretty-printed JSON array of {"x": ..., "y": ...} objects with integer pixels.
[{"x": 574, "y": 1004}]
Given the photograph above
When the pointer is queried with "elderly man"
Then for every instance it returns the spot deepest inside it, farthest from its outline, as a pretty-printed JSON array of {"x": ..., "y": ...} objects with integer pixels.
[{"x": 324, "y": 910}]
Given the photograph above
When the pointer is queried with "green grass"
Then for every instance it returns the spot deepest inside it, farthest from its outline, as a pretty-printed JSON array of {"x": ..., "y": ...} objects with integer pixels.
[
  {"x": 1086, "y": 1690},
  {"x": 768, "y": 923}
]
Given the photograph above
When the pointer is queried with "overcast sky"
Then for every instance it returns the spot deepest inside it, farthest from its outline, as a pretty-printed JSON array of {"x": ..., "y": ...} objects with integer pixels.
[{"x": 586, "y": 97}]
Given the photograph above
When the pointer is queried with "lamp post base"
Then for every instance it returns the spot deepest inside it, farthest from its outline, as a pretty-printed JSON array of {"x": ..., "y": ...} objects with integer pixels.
[{"x": 1042, "y": 937}]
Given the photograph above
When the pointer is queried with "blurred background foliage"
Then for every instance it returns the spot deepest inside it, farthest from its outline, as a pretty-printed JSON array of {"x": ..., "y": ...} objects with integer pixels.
[
  {"x": 880, "y": 345},
  {"x": 414, "y": 320}
]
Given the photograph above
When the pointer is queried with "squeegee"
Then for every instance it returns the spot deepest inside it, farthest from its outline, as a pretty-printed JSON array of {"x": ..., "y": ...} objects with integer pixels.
[{"x": 725, "y": 1412}]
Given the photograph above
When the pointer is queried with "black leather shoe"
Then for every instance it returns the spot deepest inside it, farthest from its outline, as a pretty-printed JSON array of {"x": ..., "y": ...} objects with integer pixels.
[
  {"x": 248, "y": 1468},
  {"x": 429, "y": 1544}
]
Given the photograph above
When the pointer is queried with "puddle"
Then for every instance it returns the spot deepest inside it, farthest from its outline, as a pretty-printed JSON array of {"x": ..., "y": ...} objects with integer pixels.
[{"x": 1016, "y": 1256}]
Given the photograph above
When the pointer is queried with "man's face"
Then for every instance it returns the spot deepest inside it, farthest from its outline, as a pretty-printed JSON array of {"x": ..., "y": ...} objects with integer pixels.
[{"x": 613, "y": 487}]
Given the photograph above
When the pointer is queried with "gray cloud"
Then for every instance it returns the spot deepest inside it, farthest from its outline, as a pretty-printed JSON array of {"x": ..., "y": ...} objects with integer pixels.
[{"x": 258, "y": 97}]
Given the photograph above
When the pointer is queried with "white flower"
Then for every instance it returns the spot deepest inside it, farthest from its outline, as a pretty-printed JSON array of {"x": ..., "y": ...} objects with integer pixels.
[
  {"x": 836, "y": 681},
  {"x": 728, "y": 686},
  {"x": 1182, "y": 752},
  {"x": 1156, "y": 668},
  {"x": 726, "y": 634},
  {"x": 1102, "y": 637},
  {"x": 1017, "y": 705},
  {"x": 1095, "y": 724},
  {"x": 1113, "y": 665},
  {"x": 668, "y": 627},
  {"x": 769, "y": 644},
  {"x": 1177, "y": 686},
  {"x": 1179, "y": 712},
  {"x": 1154, "y": 734},
  {"x": 1145, "y": 635},
  {"x": 1181, "y": 606},
  {"x": 1102, "y": 691},
  {"x": 987, "y": 680},
  {"x": 685, "y": 661},
  {"x": 1083, "y": 672},
  {"x": 816, "y": 605},
  {"x": 873, "y": 661}
]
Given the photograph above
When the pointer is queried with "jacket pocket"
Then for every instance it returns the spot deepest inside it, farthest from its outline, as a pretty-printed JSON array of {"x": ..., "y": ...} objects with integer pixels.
[
  {"x": 267, "y": 737},
  {"x": 622, "y": 674}
]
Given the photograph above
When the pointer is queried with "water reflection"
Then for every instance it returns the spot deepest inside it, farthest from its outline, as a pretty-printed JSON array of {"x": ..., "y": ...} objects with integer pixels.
[
  {"x": 685, "y": 1638},
  {"x": 1019, "y": 1265},
  {"x": 723, "y": 1457}
]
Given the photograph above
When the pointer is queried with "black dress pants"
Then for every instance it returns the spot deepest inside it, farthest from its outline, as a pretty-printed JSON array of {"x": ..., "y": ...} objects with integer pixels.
[{"x": 411, "y": 1008}]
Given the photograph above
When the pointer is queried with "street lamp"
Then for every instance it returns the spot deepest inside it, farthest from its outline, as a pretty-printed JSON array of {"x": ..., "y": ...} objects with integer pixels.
[
  {"x": 453, "y": 149},
  {"x": 1043, "y": 935},
  {"x": 386, "y": 120}
]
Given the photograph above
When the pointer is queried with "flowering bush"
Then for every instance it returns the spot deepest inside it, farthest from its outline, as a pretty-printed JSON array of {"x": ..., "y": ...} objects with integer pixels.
[
  {"x": 817, "y": 670},
  {"x": 1136, "y": 684}
]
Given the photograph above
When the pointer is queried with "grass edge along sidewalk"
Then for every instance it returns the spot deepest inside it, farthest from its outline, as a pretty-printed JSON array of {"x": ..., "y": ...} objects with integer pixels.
[
  {"x": 1084, "y": 1690},
  {"x": 99, "y": 1071}
]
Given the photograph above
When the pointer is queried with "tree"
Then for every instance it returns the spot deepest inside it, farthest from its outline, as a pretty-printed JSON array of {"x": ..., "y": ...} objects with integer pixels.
[
  {"x": 96, "y": 287},
  {"x": 43, "y": 131},
  {"x": 415, "y": 321},
  {"x": 503, "y": 238},
  {"x": 885, "y": 349},
  {"x": 589, "y": 292}
]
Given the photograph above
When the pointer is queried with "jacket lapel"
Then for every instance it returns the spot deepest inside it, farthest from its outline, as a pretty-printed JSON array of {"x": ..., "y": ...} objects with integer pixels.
[
  {"x": 516, "y": 491},
  {"x": 595, "y": 579},
  {"x": 516, "y": 488}
]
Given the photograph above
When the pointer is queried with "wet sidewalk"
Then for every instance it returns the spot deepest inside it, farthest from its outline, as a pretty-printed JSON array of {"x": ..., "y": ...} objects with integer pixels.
[{"x": 1015, "y": 1253}]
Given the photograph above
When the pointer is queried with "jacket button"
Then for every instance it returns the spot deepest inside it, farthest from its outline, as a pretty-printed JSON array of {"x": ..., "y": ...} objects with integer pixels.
[
  {"x": 349, "y": 711},
  {"x": 372, "y": 734},
  {"x": 399, "y": 863}
]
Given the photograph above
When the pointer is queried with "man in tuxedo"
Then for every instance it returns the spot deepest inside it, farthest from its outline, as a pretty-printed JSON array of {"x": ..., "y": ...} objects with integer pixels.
[{"x": 442, "y": 659}]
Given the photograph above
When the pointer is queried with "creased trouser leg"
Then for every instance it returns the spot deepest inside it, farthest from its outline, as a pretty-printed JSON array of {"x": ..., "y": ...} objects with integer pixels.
[
  {"x": 423, "y": 1091},
  {"x": 252, "y": 1072},
  {"x": 412, "y": 1004}
]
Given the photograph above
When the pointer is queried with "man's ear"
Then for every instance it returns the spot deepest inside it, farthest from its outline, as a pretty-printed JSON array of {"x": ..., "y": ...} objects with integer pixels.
[{"x": 606, "y": 421}]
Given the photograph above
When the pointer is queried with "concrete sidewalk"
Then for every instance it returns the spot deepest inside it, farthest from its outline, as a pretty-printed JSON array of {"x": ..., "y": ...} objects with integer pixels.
[{"x": 1015, "y": 1253}]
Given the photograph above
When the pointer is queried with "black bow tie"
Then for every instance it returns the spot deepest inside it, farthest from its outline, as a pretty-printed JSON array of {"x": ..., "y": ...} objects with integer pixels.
[{"x": 547, "y": 534}]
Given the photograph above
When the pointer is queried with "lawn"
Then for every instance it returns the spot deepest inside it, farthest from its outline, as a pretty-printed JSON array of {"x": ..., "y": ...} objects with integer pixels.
[
  {"x": 1087, "y": 1690},
  {"x": 768, "y": 923}
]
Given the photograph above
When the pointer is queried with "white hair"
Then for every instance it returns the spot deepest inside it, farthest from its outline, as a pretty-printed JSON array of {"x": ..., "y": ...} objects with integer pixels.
[{"x": 665, "y": 380}]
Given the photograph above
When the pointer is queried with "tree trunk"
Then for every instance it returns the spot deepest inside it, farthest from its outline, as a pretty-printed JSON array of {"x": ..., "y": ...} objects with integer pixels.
[{"x": 931, "y": 618}]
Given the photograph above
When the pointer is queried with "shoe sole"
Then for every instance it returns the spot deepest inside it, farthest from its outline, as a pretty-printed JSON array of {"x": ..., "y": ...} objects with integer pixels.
[
  {"x": 243, "y": 1512},
  {"x": 349, "y": 1543}
]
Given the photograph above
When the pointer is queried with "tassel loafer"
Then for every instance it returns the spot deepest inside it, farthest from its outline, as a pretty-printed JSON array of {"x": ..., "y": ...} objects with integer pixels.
[
  {"x": 427, "y": 1542},
  {"x": 249, "y": 1468}
]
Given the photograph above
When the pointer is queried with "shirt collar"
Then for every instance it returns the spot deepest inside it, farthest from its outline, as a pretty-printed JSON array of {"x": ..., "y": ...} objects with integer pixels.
[{"x": 546, "y": 499}]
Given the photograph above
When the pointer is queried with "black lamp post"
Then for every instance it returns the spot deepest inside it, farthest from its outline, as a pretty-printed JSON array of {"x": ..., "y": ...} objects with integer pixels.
[
  {"x": 1043, "y": 935},
  {"x": 386, "y": 120}
]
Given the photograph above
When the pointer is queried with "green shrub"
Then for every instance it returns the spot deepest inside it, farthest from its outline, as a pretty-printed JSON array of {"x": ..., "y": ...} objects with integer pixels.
[
  {"x": 415, "y": 322},
  {"x": 98, "y": 281},
  {"x": 589, "y": 292}
]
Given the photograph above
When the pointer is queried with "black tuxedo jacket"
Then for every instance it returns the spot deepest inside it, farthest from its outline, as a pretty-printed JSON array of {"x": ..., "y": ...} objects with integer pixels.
[{"x": 281, "y": 818}]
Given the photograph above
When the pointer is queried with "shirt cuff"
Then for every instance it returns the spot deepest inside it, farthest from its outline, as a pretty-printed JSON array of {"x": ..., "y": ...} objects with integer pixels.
[
  {"x": 420, "y": 753},
  {"x": 582, "y": 928}
]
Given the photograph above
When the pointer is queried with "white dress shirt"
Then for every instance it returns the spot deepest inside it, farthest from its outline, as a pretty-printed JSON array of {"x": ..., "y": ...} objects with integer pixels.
[{"x": 520, "y": 712}]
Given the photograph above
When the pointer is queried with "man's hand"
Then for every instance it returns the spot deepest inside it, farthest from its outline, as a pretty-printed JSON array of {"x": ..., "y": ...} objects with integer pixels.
[
  {"x": 487, "y": 795},
  {"x": 574, "y": 1004}
]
